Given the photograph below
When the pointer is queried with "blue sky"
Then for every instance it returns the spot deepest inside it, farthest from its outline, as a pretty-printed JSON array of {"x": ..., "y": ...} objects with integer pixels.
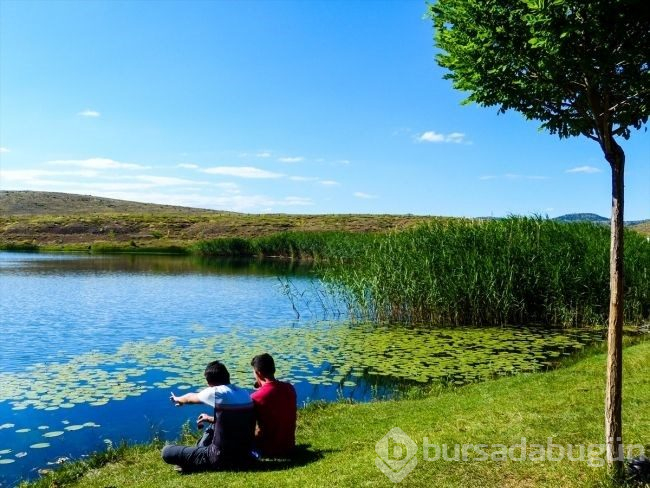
[{"x": 274, "y": 106}]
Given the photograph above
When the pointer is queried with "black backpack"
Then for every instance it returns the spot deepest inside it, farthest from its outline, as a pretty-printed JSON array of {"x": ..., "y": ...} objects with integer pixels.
[{"x": 638, "y": 469}]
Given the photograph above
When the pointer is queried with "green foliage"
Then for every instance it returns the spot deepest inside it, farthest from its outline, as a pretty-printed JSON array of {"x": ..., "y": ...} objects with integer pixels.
[
  {"x": 295, "y": 245},
  {"x": 580, "y": 67},
  {"x": 511, "y": 271}
]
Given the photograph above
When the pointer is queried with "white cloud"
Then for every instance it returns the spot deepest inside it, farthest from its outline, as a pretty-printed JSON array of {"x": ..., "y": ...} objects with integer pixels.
[
  {"x": 584, "y": 169},
  {"x": 187, "y": 166},
  {"x": 296, "y": 159},
  {"x": 367, "y": 196},
  {"x": 329, "y": 183},
  {"x": 168, "y": 181},
  {"x": 235, "y": 203},
  {"x": 263, "y": 154},
  {"x": 242, "y": 172},
  {"x": 4, "y": 150},
  {"x": 96, "y": 163},
  {"x": 292, "y": 201},
  {"x": 89, "y": 113},
  {"x": 343, "y": 161},
  {"x": 27, "y": 175},
  {"x": 432, "y": 136},
  {"x": 455, "y": 137}
]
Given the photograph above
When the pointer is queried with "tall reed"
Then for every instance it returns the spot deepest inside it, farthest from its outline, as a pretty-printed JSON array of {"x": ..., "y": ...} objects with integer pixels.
[
  {"x": 510, "y": 271},
  {"x": 296, "y": 245}
]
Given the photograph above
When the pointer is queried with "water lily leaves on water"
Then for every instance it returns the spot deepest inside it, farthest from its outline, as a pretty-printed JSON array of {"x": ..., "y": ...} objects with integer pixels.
[
  {"x": 54, "y": 433},
  {"x": 40, "y": 445},
  {"x": 325, "y": 354}
]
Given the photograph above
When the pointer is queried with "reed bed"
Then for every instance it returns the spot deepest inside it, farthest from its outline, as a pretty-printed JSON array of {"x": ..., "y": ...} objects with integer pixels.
[
  {"x": 320, "y": 246},
  {"x": 511, "y": 271},
  {"x": 519, "y": 270}
]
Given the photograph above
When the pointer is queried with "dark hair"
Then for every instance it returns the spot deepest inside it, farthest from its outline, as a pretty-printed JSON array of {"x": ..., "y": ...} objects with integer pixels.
[
  {"x": 264, "y": 364},
  {"x": 216, "y": 374}
]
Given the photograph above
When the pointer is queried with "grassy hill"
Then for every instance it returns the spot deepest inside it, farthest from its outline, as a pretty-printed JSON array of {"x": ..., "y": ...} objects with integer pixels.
[
  {"x": 583, "y": 217},
  {"x": 14, "y": 203},
  {"x": 62, "y": 221}
]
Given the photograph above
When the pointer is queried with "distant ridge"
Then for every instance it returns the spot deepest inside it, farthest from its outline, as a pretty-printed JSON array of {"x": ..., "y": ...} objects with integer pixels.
[
  {"x": 582, "y": 217},
  {"x": 53, "y": 203},
  {"x": 28, "y": 204},
  {"x": 596, "y": 219}
]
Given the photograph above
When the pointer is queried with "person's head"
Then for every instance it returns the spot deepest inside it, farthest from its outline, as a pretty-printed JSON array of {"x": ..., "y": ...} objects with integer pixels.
[
  {"x": 264, "y": 367},
  {"x": 216, "y": 374}
]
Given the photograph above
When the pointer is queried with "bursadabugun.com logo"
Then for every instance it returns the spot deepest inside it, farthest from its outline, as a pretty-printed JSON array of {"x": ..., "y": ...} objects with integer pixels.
[{"x": 397, "y": 453}]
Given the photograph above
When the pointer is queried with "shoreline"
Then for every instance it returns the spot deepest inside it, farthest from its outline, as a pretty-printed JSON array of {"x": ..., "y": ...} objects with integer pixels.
[{"x": 564, "y": 403}]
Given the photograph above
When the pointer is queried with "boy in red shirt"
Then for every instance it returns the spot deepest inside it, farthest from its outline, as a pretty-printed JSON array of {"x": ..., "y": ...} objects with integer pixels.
[{"x": 275, "y": 410}]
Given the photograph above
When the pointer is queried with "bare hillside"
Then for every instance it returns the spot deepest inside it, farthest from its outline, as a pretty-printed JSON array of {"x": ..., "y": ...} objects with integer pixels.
[{"x": 14, "y": 203}]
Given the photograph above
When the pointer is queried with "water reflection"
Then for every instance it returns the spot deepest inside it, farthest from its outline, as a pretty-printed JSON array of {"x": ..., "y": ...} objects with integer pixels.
[{"x": 48, "y": 264}]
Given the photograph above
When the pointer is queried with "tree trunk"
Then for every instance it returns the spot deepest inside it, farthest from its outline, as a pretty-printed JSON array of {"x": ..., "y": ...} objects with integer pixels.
[{"x": 613, "y": 399}]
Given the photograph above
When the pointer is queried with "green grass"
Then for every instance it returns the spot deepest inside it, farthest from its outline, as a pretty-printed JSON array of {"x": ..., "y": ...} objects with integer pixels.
[
  {"x": 565, "y": 404},
  {"x": 70, "y": 231}
]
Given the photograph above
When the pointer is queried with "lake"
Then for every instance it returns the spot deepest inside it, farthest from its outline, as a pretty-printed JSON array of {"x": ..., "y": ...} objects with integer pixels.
[{"x": 92, "y": 345}]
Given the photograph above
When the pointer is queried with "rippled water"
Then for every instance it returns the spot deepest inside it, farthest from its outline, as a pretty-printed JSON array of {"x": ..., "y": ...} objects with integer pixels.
[
  {"x": 56, "y": 306},
  {"x": 92, "y": 345}
]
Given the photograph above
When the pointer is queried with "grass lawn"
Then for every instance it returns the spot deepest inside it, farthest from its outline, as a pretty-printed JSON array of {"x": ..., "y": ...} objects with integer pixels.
[{"x": 565, "y": 404}]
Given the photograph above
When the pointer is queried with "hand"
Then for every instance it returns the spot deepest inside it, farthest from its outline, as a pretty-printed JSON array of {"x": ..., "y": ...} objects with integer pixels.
[
  {"x": 204, "y": 417},
  {"x": 176, "y": 400}
]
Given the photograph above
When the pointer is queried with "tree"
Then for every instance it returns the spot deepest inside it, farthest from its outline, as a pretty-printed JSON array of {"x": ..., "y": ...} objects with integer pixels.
[{"x": 582, "y": 69}]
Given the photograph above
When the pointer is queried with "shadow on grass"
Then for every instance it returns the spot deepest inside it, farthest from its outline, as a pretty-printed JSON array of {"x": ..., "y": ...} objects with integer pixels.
[{"x": 302, "y": 456}]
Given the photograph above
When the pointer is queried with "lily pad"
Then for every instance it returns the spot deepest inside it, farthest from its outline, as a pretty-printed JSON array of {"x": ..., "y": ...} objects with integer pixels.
[
  {"x": 54, "y": 433},
  {"x": 40, "y": 445}
]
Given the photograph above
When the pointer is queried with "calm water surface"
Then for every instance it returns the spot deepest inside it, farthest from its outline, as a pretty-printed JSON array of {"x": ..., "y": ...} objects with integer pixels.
[
  {"x": 91, "y": 346},
  {"x": 55, "y": 307}
]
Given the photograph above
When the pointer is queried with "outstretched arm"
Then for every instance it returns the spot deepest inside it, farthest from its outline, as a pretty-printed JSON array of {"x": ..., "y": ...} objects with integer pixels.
[{"x": 188, "y": 398}]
